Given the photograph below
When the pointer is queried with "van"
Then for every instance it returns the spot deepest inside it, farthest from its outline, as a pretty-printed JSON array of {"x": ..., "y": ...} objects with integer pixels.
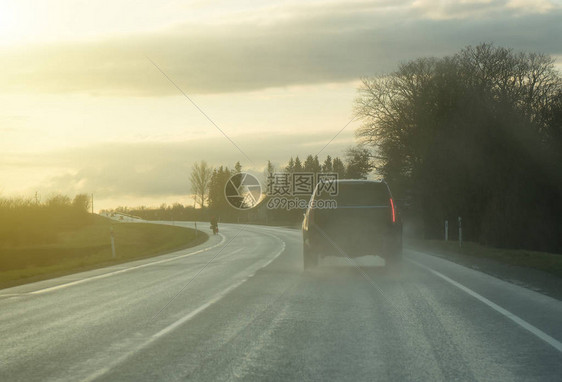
[{"x": 355, "y": 218}]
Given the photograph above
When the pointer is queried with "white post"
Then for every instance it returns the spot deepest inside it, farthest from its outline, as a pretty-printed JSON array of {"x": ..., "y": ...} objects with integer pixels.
[
  {"x": 460, "y": 232},
  {"x": 112, "y": 242},
  {"x": 446, "y": 230}
]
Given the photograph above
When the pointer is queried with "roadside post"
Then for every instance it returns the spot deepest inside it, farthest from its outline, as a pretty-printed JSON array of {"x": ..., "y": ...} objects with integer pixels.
[
  {"x": 196, "y": 229},
  {"x": 460, "y": 232},
  {"x": 112, "y": 242},
  {"x": 446, "y": 230}
]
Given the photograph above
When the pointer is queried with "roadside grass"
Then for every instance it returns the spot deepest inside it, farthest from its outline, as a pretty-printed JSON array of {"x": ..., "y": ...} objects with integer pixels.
[
  {"x": 544, "y": 261},
  {"x": 89, "y": 247}
]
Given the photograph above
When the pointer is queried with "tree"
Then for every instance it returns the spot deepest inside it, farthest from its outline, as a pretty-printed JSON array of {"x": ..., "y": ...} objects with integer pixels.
[
  {"x": 312, "y": 164},
  {"x": 237, "y": 168},
  {"x": 217, "y": 201},
  {"x": 316, "y": 164},
  {"x": 339, "y": 168},
  {"x": 270, "y": 168},
  {"x": 298, "y": 165},
  {"x": 200, "y": 179},
  {"x": 358, "y": 163},
  {"x": 268, "y": 172},
  {"x": 472, "y": 135},
  {"x": 58, "y": 201},
  {"x": 327, "y": 165},
  {"x": 290, "y": 166},
  {"x": 81, "y": 203}
]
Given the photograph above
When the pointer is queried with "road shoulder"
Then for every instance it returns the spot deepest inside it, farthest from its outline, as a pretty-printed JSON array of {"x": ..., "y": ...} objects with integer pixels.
[{"x": 529, "y": 278}]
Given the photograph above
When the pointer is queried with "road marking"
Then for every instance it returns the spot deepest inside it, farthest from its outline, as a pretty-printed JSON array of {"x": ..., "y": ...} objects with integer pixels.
[
  {"x": 519, "y": 321},
  {"x": 104, "y": 275},
  {"x": 162, "y": 332},
  {"x": 194, "y": 313},
  {"x": 216, "y": 298}
]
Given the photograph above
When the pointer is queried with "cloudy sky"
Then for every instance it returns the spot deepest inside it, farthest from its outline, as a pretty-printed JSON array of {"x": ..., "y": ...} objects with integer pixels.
[{"x": 85, "y": 110}]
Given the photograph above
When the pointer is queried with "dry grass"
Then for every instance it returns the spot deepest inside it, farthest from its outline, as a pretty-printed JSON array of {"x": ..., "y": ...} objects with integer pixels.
[{"x": 89, "y": 246}]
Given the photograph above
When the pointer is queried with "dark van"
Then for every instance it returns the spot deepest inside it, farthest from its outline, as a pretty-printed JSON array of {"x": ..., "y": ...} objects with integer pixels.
[{"x": 358, "y": 219}]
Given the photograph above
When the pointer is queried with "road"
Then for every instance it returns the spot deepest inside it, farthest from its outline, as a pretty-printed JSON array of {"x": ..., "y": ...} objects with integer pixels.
[{"x": 239, "y": 307}]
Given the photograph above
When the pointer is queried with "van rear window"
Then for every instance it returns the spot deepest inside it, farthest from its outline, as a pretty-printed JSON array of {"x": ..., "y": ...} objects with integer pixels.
[{"x": 360, "y": 194}]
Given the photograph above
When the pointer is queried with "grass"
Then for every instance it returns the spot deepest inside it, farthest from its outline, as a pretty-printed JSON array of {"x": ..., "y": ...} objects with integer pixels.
[
  {"x": 544, "y": 261},
  {"x": 89, "y": 247}
]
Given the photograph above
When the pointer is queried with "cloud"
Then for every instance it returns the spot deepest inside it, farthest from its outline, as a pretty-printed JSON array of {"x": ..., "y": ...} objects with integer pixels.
[
  {"x": 279, "y": 46},
  {"x": 159, "y": 169}
]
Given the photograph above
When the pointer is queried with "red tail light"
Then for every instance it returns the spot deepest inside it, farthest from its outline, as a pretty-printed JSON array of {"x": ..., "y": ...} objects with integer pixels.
[{"x": 393, "y": 213}]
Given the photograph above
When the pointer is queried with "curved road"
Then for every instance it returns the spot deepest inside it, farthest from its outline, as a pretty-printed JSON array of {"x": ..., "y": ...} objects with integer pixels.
[{"x": 239, "y": 307}]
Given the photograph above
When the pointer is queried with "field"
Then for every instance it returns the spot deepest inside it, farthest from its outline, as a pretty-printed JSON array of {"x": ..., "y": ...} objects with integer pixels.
[{"x": 89, "y": 246}]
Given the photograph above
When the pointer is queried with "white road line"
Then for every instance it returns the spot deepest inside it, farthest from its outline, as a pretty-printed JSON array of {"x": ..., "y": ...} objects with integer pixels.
[
  {"x": 194, "y": 313},
  {"x": 181, "y": 321},
  {"x": 72, "y": 283},
  {"x": 215, "y": 298},
  {"x": 519, "y": 321}
]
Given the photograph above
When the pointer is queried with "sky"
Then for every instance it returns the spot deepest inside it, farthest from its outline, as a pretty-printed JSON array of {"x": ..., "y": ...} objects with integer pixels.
[{"x": 88, "y": 105}]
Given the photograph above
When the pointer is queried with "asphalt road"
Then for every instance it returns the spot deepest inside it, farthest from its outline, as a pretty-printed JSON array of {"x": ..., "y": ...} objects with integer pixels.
[{"x": 240, "y": 307}]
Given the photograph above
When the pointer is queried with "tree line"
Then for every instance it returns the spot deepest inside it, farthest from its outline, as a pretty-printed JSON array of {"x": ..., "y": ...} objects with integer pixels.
[
  {"x": 208, "y": 184},
  {"x": 29, "y": 221},
  {"x": 477, "y": 134}
]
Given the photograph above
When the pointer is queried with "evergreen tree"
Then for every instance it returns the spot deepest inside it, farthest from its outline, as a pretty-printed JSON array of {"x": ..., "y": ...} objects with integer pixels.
[
  {"x": 327, "y": 165},
  {"x": 291, "y": 166},
  {"x": 338, "y": 168}
]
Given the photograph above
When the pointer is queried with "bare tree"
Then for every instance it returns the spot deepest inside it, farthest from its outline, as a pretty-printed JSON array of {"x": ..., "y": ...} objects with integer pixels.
[
  {"x": 200, "y": 179},
  {"x": 359, "y": 163},
  {"x": 476, "y": 135},
  {"x": 82, "y": 202}
]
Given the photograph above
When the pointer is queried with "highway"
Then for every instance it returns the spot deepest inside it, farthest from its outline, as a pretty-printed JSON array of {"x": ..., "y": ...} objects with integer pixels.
[{"x": 240, "y": 307}]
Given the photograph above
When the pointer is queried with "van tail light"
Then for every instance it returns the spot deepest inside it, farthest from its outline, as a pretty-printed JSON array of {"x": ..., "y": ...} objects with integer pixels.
[{"x": 393, "y": 212}]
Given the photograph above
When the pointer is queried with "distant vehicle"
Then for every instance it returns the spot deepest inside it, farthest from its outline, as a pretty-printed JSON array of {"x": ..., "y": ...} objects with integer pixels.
[
  {"x": 215, "y": 229},
  {"x": 364, "y": 221},
  {"x": 214, "y": 225}
]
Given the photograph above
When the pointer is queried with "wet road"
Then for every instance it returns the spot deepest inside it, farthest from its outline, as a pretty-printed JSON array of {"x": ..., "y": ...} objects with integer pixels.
[{"x": 239, "y": 307}]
